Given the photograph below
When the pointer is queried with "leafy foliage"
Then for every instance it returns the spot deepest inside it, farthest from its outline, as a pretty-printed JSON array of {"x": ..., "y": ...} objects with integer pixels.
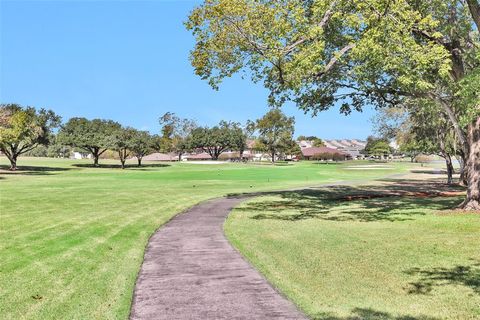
[
  {"x": 275, "y": 132},
  {"x": 218, "y": 139},
  {"x": 175, "y": 132},
  {"x": 23, "y": 128},
  {"x": 94, "y": 136}
]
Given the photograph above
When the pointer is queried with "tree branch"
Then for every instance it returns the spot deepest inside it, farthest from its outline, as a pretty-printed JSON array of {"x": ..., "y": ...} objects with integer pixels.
[
  {"x": 474, "y": 8},
  {"x": 326, "y": 17},
  {"x": 336, "y": 57}
]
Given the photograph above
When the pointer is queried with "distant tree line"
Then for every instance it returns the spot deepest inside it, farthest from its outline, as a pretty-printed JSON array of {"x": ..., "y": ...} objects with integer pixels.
[{"x": 25, "y": 130}]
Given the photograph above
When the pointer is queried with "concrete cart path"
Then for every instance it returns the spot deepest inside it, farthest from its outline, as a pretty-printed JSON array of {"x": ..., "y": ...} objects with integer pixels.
[{"x": 190, "y": 271}]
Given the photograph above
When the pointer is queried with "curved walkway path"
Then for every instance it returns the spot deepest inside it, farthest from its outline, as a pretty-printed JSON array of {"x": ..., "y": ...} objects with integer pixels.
[{"x": 191, "y": 271}]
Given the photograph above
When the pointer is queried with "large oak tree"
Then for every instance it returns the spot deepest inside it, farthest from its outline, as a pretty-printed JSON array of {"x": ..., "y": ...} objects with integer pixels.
[
  {"x": 94, "y": 136},
  {"x": 218, "y": 139},
  {"x": 22, "y": 129},
  {"x": 353, "y": 53},
  {"x": 275, "y": 132}
]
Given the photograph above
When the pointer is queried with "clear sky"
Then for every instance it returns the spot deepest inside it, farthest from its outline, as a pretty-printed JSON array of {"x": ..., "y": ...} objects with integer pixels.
[{"x": 128, "y": 61}]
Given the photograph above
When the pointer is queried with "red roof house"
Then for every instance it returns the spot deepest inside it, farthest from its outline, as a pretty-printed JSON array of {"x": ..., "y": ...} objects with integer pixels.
[{"x": 312, "y": 152}]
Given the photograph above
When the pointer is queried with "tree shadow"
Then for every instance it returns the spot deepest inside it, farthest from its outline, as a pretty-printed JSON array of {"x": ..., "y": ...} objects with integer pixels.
[
  {"x": 433, "y": 171},
  {"x": 370, "y": 314},
  {"x": 31, "y": 170},
  {"x": 399, "y": 201},
  {"x": 460, "y": 275},
  {"x": 118, "y": 166},
  {"x": 327, "y": 163}
]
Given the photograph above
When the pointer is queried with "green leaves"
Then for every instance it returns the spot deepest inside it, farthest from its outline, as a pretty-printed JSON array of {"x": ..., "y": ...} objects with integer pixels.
[
  {"x": 318, "y": 53},
  {"x": 218, "y": 139},
  {"x": 90, "y": 135},
  {"x": 23, "y": 128},
  {"x": 275, "y": 131}
]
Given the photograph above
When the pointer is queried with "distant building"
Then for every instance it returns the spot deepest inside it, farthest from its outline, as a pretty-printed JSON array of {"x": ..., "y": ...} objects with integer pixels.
[
  {"x": 161, "y": 157},
  {"x": 305, "y": 144},
  {"x": 312, "y": 152},
  {"x": 352, "y": 147},
  {"x": 198, "y": 157}
]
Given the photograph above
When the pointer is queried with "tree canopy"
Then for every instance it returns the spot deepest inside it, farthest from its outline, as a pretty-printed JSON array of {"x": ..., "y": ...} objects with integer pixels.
[
  {"x": 94, "y": 136},
  {"x": 218, "y": 139},
  {"x": 175, "y": 132},
  {"x": 275, "y": 132},
  {"x": 24, "y": 128},
  {"x": 351, "y": 53}
]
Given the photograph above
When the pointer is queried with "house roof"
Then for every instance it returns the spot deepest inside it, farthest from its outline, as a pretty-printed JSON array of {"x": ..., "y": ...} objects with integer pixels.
[
  {"x": 309, "y": 152},
  {"x": 346, "y": 144},
  {"x": 200, "y": 156},
  {"x": 160, "y": 157}
]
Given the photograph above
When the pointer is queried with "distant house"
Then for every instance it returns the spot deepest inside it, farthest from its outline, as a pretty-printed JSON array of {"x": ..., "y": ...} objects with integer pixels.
[
  {"x": 198, "y": 157},
  {"x": 312, "y": 153},
  {"x": 161, "y": 157},
  {"x": 305, "y": 144},
  {"x": 353, "y": 147}
]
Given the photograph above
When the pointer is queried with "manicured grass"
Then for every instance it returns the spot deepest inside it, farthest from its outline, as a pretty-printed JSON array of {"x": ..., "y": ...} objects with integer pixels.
[
  {"x": 72, "y": 237},
  {"x": 382, "y": 258}
]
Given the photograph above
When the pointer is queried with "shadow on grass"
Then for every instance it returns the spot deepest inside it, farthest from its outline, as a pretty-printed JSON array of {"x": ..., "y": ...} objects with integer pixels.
[
  {"x": 460, "y": 275},
  {"x": 370, "y": 314},
  {"x": 328, "y": 163},
  {"x": 398, "y": 201},
  {"x": 31, "y": 170},
  {"x": 118, "y": 166},
  {"x": 433, "y": 171}
]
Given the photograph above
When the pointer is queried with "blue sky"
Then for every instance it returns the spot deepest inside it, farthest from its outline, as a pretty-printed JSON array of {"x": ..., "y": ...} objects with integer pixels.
[{"x": 128, "y": 61}]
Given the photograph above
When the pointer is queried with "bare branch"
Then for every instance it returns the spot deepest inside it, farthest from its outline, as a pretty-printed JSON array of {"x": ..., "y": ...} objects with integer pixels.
[{"x": 336, "y": 57}]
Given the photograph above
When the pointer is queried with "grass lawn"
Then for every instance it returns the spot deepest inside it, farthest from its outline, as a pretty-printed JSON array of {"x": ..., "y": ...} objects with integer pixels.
[
  {"x": 72, "y": 237},
  {"x": 401, "y": 258}
]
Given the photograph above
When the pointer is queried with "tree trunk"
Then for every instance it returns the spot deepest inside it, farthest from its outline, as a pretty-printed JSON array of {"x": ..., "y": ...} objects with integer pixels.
[
  {"x": 446, "y": 156},
  {"x": 273, "y": 156},
  {"x": 179, "y": 156},
  {"x": 448, "y": 161},
  {"x": 95, "y": 160},
  {"x": 474, "y": 8},
  {"x": 139, "y": 160},
  {"x": 463, "y": 170},
  {"x": 13, "y": 163},
  {"x": 472, "y": 202},
  {"x": 122, "y": 154}
]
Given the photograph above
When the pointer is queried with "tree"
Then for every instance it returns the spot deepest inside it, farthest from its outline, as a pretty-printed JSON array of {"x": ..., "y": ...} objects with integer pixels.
[
  {"x": 318, "y": 143},
  {"x": 218, "y": 139},
  {"x": 142, "y": 143},
  {"x": 293, "y": 149},
  {"x": 275, "y": 131},
  {"x": 420, "y": 129},
  {"x": 22, "y": 129},
  {"x": 94, "y": 136},
  {"x": 380, "y": 149},
  {"x": 175, "y": 132},
  {"x": 123, "y": 143},
  {"x": 353, "y": 53},
  {"x": 377, "y": 147}
]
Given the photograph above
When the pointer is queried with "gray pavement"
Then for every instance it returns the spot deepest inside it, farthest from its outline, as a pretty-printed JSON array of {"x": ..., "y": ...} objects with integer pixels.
[{"x": 191, "y": 271}]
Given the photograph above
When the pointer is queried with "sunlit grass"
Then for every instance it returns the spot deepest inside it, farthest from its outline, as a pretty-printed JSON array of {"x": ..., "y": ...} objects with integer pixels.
[
  {"x": 384, "y": 258},
  {"x": 72, "y": 237}
]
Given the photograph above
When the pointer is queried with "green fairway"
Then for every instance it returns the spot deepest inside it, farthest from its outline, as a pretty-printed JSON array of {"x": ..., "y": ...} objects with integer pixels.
[
  {"x": 385, "y": 258},
  {"x": 72, "y": 237}
]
